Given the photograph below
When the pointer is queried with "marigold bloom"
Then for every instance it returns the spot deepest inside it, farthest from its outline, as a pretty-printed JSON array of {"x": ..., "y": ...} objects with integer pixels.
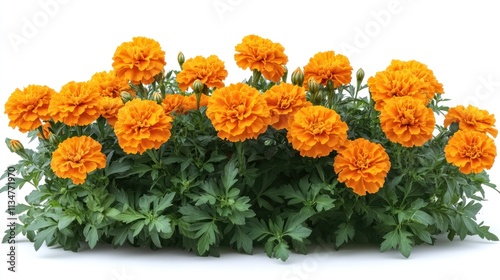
[
  {"x": 470, "y": 151},
  {"x": 26, "y": 108},
  {"x": 210, "y": 71},
  {"x": 284, "y": 100},
  {"x": 316, "y": 131},
  {"x": 75, "y": 157},
  {"x": 471, "y": 118},
  {"x": 325, "y": 66},
  {"x": 174, "y": 102},
  {"x": 142, "y": 125},
  {"x": 431, "y": 85},
  {"x": 110, "y": 108},
  {"x": 238, "y": 112},
  {"x": 362, "y": 165},
  {"x": 389, "y": 84},
  {"x": 139, "y": 60},
  {"x": 78, "y": 103},
  {"x": 259, "y": 53},
  {"x": 108, "y": 84},
  {"x": 407, "y": 121}
]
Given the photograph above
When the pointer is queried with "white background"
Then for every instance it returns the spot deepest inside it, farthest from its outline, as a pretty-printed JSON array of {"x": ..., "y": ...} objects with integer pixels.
[{"x": 53, "y": 42}]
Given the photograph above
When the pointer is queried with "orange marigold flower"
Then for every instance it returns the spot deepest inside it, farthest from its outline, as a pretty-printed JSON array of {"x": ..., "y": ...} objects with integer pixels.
[
  {"x": 139, "y": 60},
  {"x": 26, "y": 108},
  {"x": 255, "y": 52},
  {"x": 284, "y": 100},
  {"x": 316, "y": 131},
  {"x": 142, "y": 125},
  {"x": 75, "y": 157},
  {"x": 470, "y": 151},
  {"x": 471, "y": 118},
  {"x": 389, "y": 84},
  {"x": 210, "y": 71},
  {"x": 407, "y": 121},
  {"x": 174, "y": 102},
  {"x": 78, "y": 103},
  {"x": 431, "y": 85},
  {"x": 108, "y": 84},
  {"x": 325, "y": 66},
  {"x": 362, "y": 165},
  {"x": 238, "y": 112},
  {"x": 110, "y": 108}
]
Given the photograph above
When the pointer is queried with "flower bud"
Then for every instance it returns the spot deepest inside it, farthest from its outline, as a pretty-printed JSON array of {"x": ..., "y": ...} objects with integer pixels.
[
  {"x": 15, "y": 146},
  {"x": 298, "y": 77},
  {"x": 126, "y": 96},
  {"x": 360, "y": 75},
  {"x": 181, "y": 59},
  {"x": 198, "y": 86},
  {"x": 157, "y": 97},
  {"x": 53, "y": 140},
  {"x": 285, "y": 74},
  {"x": 312, "y": 85}
]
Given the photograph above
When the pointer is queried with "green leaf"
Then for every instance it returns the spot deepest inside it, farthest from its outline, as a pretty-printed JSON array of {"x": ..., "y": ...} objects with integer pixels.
[
  {"x": 41, "y": 223},
  {"x": 281, "y": 251},
  {"x": 128, "y": 217},
  {"x": 45, "y": 235},
  {"x": 164, "y": 203},
  {"x": 206, "y": 232},
  {"x": 229, "y": 175},
  {"x": 91, "y": 235},
  {"x": 65, "y": 221},
  {"x": 398, "y": 239},
  {"x": 422, "y": 218},
  {"x": 242, "y": 240},
  {"x": 343, "y": 234},
  {"x": 117, "y": 167}
]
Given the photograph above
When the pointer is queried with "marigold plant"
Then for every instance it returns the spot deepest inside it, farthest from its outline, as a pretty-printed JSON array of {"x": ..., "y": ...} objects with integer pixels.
[
  {"x": 76, "y": 157},
  {"x": 238, "y": 112},
  {"x": 362, "y": 165},
  {"x": 77, "y": 103},
  {"x": 471, "y": 118},
  {"x": 182, "y": 158},
  {"x": 139, "y": 60},
  {"x": 263, "y": 55},
  {"x": 28, "y": 107},
  {"x": 142, "y": 125},
  {"x": 407, "y": 121},
  {"x": 471, "y": 151}
]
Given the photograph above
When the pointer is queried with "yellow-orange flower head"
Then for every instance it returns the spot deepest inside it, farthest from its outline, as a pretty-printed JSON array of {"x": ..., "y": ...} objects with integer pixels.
[
  {"x": 139, "y": 60},
  {"x": 262, "y": 54},
  {"x": 470, "y": 151},
  {"x": 210, "y": 71},
  {"x": 142, "y": 125},
  {"x": 362, "y": 165},
  {"x": 110, "y": 108},
  {"x": 78, "y": 103},
  {"x": 284, "y": 100},
  {"x": 389, "y": 84},
  {"x": 109, "y": 85},
  {"x": 328, "y": 66},
  {"x": 316, "y": 131},
  {"x": 431, "y": 85},
  {"x": 174, "y": 103},
  {"x": 471, "y": 118},
  {"x": 238, "y": 112},
  {"x": 407, "y": 121},
  {"x": 26, "y": 108},
  {"x": 75, "y": 157}
]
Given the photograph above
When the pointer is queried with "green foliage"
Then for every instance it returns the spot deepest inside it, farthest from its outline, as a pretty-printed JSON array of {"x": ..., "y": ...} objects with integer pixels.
[{"x": 200, "y": 193}]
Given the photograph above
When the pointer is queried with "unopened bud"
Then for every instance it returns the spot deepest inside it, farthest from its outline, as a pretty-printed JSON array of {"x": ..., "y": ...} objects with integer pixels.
[
  {"x": 181, "y": 59},
  {"x": 312, "y": 85},
  {"x": 198, "y": 86},
  {"x": 126, "y": 96},
  {"x": 15, "y": 146},
  {"x": 285, "y": 74},
  {"x": 157, "y": 97},
  {"x": 298, "y": 77},
  {"x": 53, "y": 140},
  {"x": 360, "y": 75}
]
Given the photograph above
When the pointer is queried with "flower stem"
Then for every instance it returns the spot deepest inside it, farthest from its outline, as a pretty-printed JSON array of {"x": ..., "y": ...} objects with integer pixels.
[
  {"x": 240, "y": 151},
  {"x": 256, "y": 78}
]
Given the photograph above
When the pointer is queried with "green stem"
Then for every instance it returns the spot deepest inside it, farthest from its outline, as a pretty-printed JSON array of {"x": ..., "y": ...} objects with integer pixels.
[
  {"x": 256, "y": 77},
  {"x": 240, "y": 151}
]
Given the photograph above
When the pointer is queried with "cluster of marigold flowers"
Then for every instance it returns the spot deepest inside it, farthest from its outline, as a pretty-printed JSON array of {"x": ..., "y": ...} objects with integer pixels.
[{"x": 240, "y": 111}]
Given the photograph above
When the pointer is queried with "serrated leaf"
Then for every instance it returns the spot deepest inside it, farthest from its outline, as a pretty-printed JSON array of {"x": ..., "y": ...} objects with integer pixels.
[
  {"x": 117, "y": 167},
  {"x": 343, "y": 234},
  {"x": 45, "y": 235},
  {"x": 165, "y": 202},
  {"x": 229, "y": 175},
  {"x": 242, "y": 240},
  {"x": 422, "y": 218},
  {"x": 91, "y": 236},
  {"x": 128, "y": 217},
  {"x": 65, "y": 221},
  {"x": 281, "y": 251}
]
